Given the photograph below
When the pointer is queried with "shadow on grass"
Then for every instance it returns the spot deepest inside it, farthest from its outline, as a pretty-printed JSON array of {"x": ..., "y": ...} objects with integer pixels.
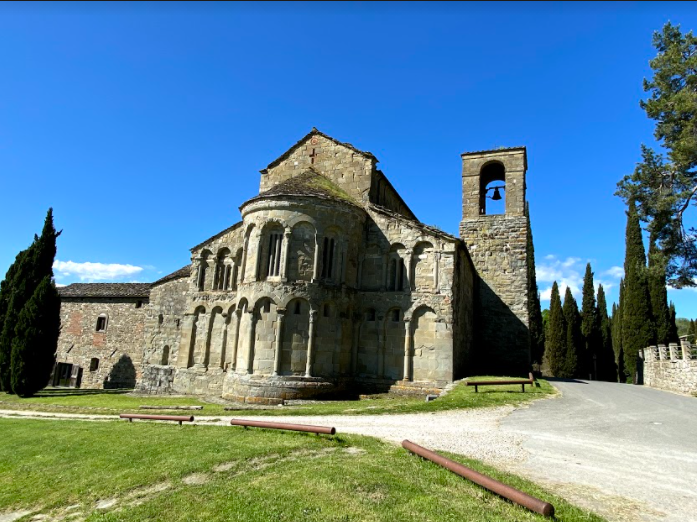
[{"x": 76, "y": 392}]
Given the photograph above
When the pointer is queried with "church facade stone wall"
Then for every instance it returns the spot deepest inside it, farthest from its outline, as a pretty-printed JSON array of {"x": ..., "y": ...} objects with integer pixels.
[{"x": 329, "y": 283}]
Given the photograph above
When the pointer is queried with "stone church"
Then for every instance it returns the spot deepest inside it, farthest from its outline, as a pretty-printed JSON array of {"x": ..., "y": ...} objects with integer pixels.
[{"x": 329, "y": 284}]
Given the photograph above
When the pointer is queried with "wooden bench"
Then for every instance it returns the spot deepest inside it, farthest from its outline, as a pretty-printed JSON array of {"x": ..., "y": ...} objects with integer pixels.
[
  {"x": 176, "y": 418},
  {"x": 529, "y": 381}
]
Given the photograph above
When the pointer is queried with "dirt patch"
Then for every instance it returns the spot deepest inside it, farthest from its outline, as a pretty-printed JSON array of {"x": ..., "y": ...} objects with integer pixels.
[
  {"x": 14, "y": 515},
  {"x": 225, "y": 466},
  {"x": 196, "y": 479}
]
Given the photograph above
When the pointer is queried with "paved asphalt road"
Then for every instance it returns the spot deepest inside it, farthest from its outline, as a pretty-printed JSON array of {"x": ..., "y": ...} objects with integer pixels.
[{"x": 627, "y": 452}]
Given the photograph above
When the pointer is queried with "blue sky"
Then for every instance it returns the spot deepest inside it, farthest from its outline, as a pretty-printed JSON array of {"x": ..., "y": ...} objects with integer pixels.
[{"x": 144, "y": 126}]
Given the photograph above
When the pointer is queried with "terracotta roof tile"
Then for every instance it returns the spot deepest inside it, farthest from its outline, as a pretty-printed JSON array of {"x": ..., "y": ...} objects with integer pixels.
[{"x": 105, "y": 290}]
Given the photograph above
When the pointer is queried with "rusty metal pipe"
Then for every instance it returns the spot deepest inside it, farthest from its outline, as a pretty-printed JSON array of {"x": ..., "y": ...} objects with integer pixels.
[
  {"x": 177, "y": 418},
  {"x": 283, "y": 426},
  {"x": 507, "y": 492}
]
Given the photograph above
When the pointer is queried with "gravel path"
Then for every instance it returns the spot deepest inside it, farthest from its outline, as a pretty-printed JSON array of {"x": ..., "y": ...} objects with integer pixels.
[{"x": 473, "y": 433}]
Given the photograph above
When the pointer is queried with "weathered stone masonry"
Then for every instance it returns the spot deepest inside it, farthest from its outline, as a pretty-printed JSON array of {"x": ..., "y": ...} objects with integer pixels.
[{"x": 330, "y": 282}]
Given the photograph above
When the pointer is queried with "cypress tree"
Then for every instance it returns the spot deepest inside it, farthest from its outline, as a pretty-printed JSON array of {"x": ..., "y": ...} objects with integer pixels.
[
  {"x": 574, "y": 339},
  {"x": 30, "y": 268},
  {"x": 606, "y": 367},
  {"x": 659, "y": 294},
  {"x": 555, "y": 350},
  {"x": 35, "y": 341},
  {"x": 536, "y": 328},
  {"x": 673, "y": 336},
  {"x": 693, "y": 325},
  {"x": 589, "y": 326},
  {"x": 638, "y": 329},
  {"x": 6, "y": 291}
]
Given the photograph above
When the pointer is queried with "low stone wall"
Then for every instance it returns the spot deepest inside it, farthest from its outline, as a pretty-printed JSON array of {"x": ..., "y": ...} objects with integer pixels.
[
  {"x": 157, "y": 380},
  {"x": 672, "y": 367},
  {"x": 198, "y": 381}
]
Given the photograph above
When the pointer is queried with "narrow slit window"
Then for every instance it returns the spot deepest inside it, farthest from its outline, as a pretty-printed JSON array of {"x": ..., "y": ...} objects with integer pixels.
[
  {"x": 297, "y": 308},
  {"x": 101, "y": 323},
  {"x": 395, "y": 316}
]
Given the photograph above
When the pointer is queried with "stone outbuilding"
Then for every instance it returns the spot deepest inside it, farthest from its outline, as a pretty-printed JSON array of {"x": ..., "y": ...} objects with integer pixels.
[{"x": 328, "y": 284}]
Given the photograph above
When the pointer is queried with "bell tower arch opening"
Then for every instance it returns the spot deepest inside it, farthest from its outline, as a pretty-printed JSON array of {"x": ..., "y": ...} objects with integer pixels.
[{"x": 492, "y": 186}]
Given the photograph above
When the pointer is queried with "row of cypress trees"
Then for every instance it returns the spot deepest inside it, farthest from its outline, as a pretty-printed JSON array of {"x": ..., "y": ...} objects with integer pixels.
[
  {"x": 643, "y": 316},
  {"x": 30, "y": 316},
  {"x": 579, "y": 343}
]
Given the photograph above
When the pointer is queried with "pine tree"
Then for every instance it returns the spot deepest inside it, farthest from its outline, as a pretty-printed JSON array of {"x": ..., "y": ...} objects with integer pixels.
[
  {"x": 35, "y": 341},
  {"x": 606, "y": 367},
  {"x": 555, "y": 350},
  {"x": 536, "y": 328},
  {"x": 638, "y": 329},
  {"x": 659, "y": 294},
  {"x": 589, "y": 327},
  {"x": 574, "y": 339}
]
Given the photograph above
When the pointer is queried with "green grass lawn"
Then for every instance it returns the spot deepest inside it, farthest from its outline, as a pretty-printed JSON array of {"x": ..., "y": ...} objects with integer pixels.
[
  {"x": 109, "y": 402},
  {"x": 158, "y": 472}
]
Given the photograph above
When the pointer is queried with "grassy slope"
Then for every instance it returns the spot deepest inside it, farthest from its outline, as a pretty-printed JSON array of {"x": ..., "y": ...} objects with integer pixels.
[
  {"x": 50, "y": 465},
  {"x": 113, "y": 402}
]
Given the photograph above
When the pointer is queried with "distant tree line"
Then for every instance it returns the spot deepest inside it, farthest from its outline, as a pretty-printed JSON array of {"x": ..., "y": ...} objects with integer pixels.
[{"x": 30, "y": 316}]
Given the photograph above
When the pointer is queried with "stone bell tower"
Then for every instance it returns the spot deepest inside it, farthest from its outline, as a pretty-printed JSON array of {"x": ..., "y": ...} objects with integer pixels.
[{"x": 497, "y": 244}]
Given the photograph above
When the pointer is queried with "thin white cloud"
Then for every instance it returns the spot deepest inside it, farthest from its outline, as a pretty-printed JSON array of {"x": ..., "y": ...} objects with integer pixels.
[
  {"x": 569, "y": 273},
  {"x": 95, "y": 271},
  {"x": 616, "y": 271}
]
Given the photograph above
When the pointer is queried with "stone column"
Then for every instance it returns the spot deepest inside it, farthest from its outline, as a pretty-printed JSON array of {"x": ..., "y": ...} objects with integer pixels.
[
  {"x": 673, "y": 351},
  {"x": 199, "y": 267},
  {"x": 354, "y": 345},
  {"x": 409, "y": 266},
  {"x": 315, "y": 268},
  {"x": 381, "y": 347},
  {"x": 359, "y": 277},
  {"x": 436, "y": 269},
  {"x": 255, "y": 270},
  {"x": 186, "y": 342},
  {"x": 662, "y": 355},
  {"x": 223, "y": 340},
  {"x": 285, "y": 255},
  {"x": 280, "y": 314},
  {"x": 407, "y": 349},
  {"x": 201, "y": 342},
  {"x": 344, "y": 261},
  {"x": 310, "y": 344},
  {"x": 235, "y": 339},
  {"x": 250, "y": 342}
]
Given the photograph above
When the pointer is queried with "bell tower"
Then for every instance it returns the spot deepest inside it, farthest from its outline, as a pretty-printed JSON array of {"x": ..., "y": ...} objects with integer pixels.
[{"x": 497, "y": 244}]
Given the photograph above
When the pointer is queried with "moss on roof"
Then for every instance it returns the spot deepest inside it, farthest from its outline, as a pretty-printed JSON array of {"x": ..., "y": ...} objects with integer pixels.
[{"x": 309, "y": 183}]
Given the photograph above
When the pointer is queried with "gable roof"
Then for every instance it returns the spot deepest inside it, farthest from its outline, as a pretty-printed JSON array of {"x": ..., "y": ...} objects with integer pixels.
[
  {"x": 315, "y": 132},
  {"x": 105, "y": 290},
  {"x": 309, "y": 183},
  {"x": 216, "y": 236},
  {"x": 184, "y": 271}
]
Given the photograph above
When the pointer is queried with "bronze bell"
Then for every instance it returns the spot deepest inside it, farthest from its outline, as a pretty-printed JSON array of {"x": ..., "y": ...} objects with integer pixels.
[{"x": 497, "y": 195}]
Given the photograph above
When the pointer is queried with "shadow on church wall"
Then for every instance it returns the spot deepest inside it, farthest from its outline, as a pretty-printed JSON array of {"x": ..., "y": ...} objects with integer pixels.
[
  {"x": 502, "y": 344},
  {"x": 122, "y": 374}
]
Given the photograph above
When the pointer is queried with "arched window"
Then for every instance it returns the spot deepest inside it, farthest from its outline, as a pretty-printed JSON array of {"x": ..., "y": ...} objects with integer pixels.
[
  {"x": 328, "y": 258},
  {"x": 271, "y": 246},
  {"x": 101, "y": 323},
  {"x": 202, "y": 269},
  {"x": 332, "y": 256},
  {"x": 493, "y": 188},
  {"x": 397, "y": 281},
  {"x": 223, "y": 270}
]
